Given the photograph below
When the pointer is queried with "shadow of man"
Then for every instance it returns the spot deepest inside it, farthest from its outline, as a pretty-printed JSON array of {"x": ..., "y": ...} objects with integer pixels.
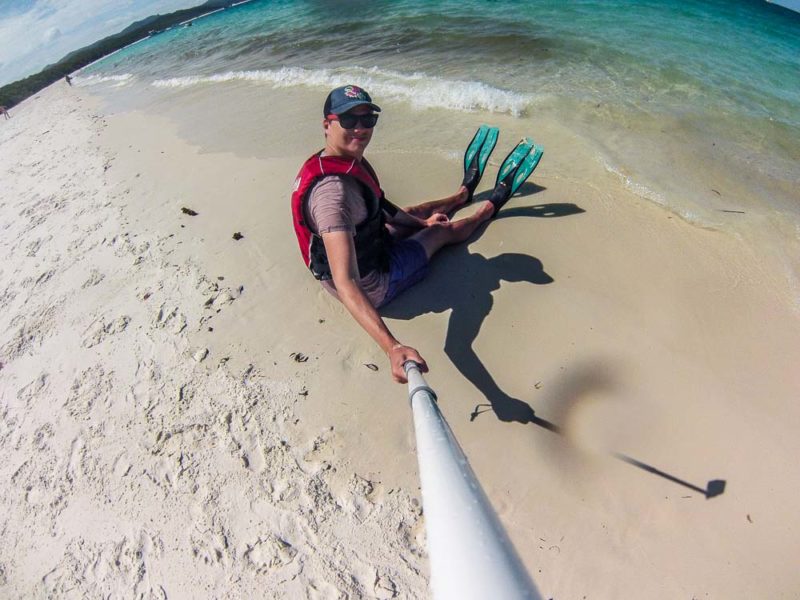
[{"x": 464, "y": 282}]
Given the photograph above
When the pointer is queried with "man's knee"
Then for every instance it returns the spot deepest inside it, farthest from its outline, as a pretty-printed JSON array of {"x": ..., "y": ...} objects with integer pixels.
[{"x": 436, "y": 236}]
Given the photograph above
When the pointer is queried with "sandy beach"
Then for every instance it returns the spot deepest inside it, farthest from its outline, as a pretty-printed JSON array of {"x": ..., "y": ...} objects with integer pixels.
[{"x": 184, "y": 414}]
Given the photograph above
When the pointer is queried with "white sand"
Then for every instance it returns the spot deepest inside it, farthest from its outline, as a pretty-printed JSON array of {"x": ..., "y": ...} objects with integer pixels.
[
  {"x": 145, "y": 455},
  {"x": 135, "y": 465}
]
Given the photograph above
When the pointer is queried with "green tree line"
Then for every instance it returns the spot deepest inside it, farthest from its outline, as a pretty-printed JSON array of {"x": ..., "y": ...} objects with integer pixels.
[{"x": 14, "y": 93}]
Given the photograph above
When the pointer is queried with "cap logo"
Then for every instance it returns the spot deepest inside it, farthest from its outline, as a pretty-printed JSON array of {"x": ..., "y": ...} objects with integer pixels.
[{"x": 352, "y": 91}]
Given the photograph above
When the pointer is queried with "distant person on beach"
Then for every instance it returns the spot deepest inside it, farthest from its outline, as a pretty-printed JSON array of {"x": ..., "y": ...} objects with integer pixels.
[
  {"x": 4, "y": 112},
  {"x": 68, "y": 79},
  {"x": 361, "y": 247}
]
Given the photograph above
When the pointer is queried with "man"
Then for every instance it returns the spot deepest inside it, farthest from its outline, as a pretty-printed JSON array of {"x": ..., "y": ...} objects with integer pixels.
[{"x": 362, "y": 248}]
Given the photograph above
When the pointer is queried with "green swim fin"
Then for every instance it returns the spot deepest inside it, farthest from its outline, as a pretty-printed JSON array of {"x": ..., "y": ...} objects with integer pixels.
[
  {"x": 526, "y": 168},
  {"x": 477, "y": 156},
  {"x": 514, "y": 171}
]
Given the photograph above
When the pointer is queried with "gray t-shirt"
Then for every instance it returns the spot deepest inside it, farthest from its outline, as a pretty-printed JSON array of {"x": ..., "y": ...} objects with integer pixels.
[{"x": 337, "y": 204}]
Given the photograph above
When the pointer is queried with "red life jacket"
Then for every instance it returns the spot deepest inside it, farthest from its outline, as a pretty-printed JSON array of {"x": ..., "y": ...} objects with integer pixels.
[{"x": 371, "y": 235}]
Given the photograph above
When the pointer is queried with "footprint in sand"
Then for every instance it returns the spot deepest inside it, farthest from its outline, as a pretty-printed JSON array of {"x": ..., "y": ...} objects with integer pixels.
[
  {"x": 320, "y": 452},
  {"x": 100, "y": 330},
  {"x": 172, "y": 320},
  {"x": 92, "y": 385},
  {"x": 221, "y": 299},
  {"x": 162, "y": 473},
  {"x": 247, "y": 442},
  {"x": 7, "y": 297},
  {"x": 123, "y": 244},
  {"x": 32, "y": 282},
  {"x": 412, "y": 528},
  {"x": 323, "y": 590},
  {"x": 211, "y": 547},
  {"x": 254, "y": 454},
  {"x": 122, "y": 466},
  {"x": 92, "y": 568},
  {"x": 34, "y": 329},
  {"x": 42, "y": 436},
  {"x": 146, "y": 380},
  {"x": 269, "y": 553},
  {"x": 76, "y": 456},
  {"x": 32, "y": 392},
  {"x": 363, "y": 496},
  {"x": 95, "y": 277},
  {"x": 385, "y": 588},
  {"x": 34, "y": 247}
]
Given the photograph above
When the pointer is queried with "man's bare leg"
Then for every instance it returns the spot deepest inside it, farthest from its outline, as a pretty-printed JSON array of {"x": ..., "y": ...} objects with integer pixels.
[
  {"x": 445, "y": 206},
  {"x": 424, "y": 211},
  {"x": 435, "y": 237}
]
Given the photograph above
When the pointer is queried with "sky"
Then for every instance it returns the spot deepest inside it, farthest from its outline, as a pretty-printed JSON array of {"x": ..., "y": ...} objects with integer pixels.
[
  {"x": 793, "y": 4},
  {"x": 36, "y": 33}
]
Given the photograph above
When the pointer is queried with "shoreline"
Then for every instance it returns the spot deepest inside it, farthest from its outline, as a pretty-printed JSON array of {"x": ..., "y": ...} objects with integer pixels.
[
  {"x": 692, "y": 169},
  {"x": 668, "y": 343}
]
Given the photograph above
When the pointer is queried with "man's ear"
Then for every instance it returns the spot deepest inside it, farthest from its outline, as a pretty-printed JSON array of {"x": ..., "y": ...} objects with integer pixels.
[{"x": 325, "y": 125}]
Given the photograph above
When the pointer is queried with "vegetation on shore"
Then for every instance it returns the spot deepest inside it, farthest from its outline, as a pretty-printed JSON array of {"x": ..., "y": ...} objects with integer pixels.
[{"x": 14, "y": 93}]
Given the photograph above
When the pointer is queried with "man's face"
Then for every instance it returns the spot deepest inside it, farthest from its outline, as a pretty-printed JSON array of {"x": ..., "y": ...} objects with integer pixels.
[{"x": 348, "y": 142}]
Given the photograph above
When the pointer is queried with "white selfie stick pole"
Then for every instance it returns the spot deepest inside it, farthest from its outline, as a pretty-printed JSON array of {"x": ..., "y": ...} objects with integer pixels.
[{"x": 471, "y": 556}]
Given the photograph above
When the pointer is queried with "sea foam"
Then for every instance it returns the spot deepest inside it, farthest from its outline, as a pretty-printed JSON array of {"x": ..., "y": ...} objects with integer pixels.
[
  {"x": 420, "y": 90},
  {"x": 116, "y": 80}
]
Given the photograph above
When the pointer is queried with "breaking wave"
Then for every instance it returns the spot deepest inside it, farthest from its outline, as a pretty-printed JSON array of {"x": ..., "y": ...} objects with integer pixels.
[
  {"x": 116, "y": 80},
  {"x": 420, "y": 90}
]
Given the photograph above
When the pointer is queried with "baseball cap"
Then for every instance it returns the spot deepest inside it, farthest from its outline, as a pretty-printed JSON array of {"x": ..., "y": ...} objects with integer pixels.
[{"x": 346, "y": 98}]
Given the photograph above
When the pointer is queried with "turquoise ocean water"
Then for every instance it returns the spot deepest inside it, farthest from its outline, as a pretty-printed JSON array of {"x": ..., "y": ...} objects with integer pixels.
[{"x": 659, "y": 87}]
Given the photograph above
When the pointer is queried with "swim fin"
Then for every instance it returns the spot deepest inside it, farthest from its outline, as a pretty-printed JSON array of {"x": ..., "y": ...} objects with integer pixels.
[
  {"x": 477, "y": 156},
  {"x": 516, "y": 168}
]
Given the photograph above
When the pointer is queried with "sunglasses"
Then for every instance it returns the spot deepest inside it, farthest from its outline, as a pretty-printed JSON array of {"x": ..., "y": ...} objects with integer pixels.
[{"x": 349, "y": 121}]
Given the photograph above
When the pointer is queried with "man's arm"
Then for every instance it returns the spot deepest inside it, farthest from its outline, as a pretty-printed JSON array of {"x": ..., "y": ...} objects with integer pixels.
[{"x": 342, "y": 259}]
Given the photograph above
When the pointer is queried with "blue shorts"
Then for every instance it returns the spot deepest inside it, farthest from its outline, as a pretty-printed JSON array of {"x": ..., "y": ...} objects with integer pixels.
[{"x": 408, "y": 264}]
